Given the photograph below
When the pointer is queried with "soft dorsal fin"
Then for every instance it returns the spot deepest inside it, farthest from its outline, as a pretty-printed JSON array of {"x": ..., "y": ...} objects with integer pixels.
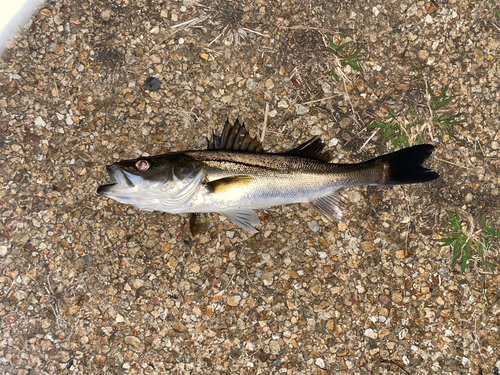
[
  {"x": 312, "y": 149},
  {"x": 234, "y": 137}
]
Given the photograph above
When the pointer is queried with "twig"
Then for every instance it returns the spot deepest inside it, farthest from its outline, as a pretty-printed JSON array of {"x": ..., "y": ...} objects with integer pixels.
[
  {"x": 255, "y": 32},
  {"x": 369, "y": 139},
  {"x": 263, "y": 134},
  {"x": 319, "y": 100},
  {"x": 456, "y": 165}
]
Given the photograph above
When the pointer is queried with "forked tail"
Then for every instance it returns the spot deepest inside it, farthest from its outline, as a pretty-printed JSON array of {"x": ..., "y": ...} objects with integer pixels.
[{"x": 404, "y": 166}]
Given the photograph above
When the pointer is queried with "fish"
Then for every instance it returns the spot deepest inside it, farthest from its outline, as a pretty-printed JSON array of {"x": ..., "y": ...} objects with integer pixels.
[{"x": 234, "y": 176}]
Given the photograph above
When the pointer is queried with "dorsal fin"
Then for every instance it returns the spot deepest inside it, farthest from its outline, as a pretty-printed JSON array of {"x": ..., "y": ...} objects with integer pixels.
[
  {"x": 234, "y": 137},
  {"x": 312, "y": 149}
]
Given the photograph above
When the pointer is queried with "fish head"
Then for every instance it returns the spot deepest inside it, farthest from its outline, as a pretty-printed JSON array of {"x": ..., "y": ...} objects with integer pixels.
[
  {"x": 136, "y": 175},
  {"x": 152, "y": 183}
]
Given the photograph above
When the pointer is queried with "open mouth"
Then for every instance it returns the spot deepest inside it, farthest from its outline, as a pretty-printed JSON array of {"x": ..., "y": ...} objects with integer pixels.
[{"x": 119, "y": 178}]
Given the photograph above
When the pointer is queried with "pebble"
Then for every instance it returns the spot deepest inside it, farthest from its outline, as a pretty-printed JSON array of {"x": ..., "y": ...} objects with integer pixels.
[
  {"x": 367, "y": 246},
  {"x": 274, "y": 346},
  {"x": 179, "y": 327},
  {"x": 39, "y": 121},
  {"x": 301, "y": 109},
  {"x": 371, "y": 334},
  {"x": 282, "y": 104},
  {"x": 313, "y": 225},
  {"x": 269, "y": 84},
  {"x": 106, "y": 15},
  {"x": 233, "y": 301},
  {"x": 132, "y": 340},
  {"x": 251, "y": 84},
  {"x": 320, "y": 362},
  {"x": 398, "y": 270},
  {"x": 3, "y": 250}
]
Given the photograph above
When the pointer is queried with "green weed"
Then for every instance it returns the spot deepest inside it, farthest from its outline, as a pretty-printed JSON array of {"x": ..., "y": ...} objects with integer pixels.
[
  {"x": 399, "y": 131},
  {"x": 346, "y": 55},
  {"x": 405, "y": 130},
  {"x": 466, "y": 242},
  {"x": 444, "y": 121}
]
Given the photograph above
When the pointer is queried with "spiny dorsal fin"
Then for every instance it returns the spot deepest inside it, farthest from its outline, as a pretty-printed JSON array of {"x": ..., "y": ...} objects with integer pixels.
[
  {"x": 235, "y": 137},
  {"x": 312, "y": 149}
]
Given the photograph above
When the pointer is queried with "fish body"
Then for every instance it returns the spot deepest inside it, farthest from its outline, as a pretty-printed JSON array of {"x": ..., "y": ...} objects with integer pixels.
[{"x": 234, "y": 177}]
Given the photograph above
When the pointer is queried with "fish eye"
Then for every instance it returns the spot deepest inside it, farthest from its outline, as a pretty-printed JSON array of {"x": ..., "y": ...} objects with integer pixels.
[{"x": 142, "y": 165}]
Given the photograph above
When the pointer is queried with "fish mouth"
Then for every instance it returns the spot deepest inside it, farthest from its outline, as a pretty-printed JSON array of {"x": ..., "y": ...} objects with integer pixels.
[{"x": 119, "y": 178}]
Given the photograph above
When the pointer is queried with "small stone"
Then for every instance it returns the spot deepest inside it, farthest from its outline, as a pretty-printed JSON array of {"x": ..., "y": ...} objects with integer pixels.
[
  {"x": 251, "y": 84},
  {"x": 301, "y": 109},
  {"x": 40, "y": 122},
  {"x": 274, "y": 346},
  {"x": 69, "y": 120},
  {"x": 330, "y": 325},
  {"x": 320, "y": 362},
  {"x": 282, "y": 104},
  {"x": 494, "y": 145},
  {"x": 129, "y": 58},
  {"x": 269, "y": 84},
  {"x": 119, "y": 318},
  {"x": 234, "y": 301},
  {"x": 204, "y": 56},
  {"x": 138, "y": 283},
  {"x": 179, "y": 327},
  {"x": 132, "y": 340},
  {"x": 100, "y": 359},
  {"x": 106, "y": 15},
  {"x": 342, "y": 227},
  {"x": 3, "y": 251},
  {"x": 327, "y": 88},
  {"x": 152, "y": 84},
  {"x": 400, "y": 254},
  {"x": 398, "y": 270},
  {"x": 397, "y": 297},
  {"x": 313, "y": 225},
  {"x": 367, "y": 246},
  {"x": 371, "y": 334}
]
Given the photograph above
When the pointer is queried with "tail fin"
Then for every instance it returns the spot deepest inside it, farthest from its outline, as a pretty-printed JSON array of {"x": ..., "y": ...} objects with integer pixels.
[{"x": 405, "y": 166}]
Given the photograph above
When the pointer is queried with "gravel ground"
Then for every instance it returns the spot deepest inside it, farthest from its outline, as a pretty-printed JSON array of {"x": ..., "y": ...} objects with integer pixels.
[{"x": 90, "y": 286}]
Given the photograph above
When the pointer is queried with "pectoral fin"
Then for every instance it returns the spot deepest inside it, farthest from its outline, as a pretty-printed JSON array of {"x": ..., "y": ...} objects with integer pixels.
[
  {"x": 243, "y": 217},
  {"x": 331, "y": 206},
  {"x": 223, "y": 184}
]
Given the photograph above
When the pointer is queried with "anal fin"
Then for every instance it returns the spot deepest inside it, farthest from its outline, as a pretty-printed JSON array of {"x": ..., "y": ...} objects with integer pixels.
[
  {"x": 243, "y": 217},
  {"x": 330, "y": 206}
]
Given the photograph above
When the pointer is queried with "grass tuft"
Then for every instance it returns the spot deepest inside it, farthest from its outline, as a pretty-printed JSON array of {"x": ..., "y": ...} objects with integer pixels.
[
  {"x": 406, "y": 130},
  {"x": 346, "y": 55},
  {"x": 466, "y": 243}
]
